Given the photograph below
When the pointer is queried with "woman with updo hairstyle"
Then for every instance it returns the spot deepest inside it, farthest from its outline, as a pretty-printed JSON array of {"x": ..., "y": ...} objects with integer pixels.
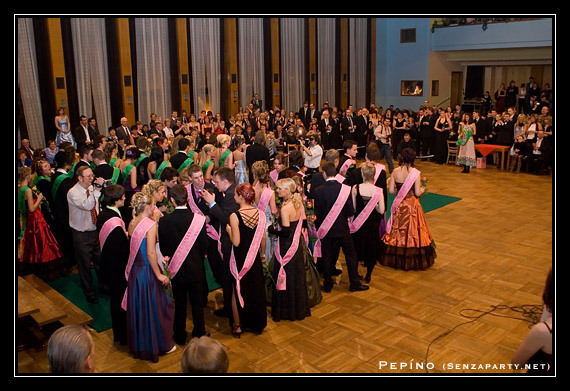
[
  {"x": 111, "y": 150},
  {"x": 157, "y": 192},
  {"x": 157, "y": 162},
  {"x": 415, "y": 249},
  {"x": 223, "y": 155},
  {"x": 290, "y": 301},
  {"x": 206, "y": 161},
  {"x": 241, "y": 230},
  {"x": 150, "y": 310},
  {"x": 128, "y": 180},
  {"x": 240, "y": 168},
  {"x": 261, "y": 180}
]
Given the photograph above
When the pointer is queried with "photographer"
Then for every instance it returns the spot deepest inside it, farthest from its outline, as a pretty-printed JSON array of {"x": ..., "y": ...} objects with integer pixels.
[{"x": 313, "y": 153}]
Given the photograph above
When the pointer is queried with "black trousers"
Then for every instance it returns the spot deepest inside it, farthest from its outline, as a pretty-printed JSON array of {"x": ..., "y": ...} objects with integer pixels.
[
  {"x": 87, "y": 251},
  {"x": 330, "y": 251},
  {"x": 182, "y": 291}
]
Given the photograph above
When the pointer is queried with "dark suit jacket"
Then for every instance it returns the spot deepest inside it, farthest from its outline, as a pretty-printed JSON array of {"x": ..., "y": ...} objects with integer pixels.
[
  {"x": 79, "y": 136},
  {"x": 346, "y": 133},
  {"x": 122, "y": 135},
  {"x": 59, "y": 207},
  {"x": 225, "y": 206},
  {"x": 256, "y": 152},
  {"x": 200, "y": 201},
  {"x": 171, "y": 231},
  {"x": 116, "y": 251},
  {"x": 325, "y": 197},
  {"x": 104, "y": 171},
  {"x": 177, "y": 159}
]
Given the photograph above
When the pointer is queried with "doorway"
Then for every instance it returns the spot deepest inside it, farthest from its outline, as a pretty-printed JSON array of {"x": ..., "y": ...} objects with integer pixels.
[{"x": 456, "y": 96}]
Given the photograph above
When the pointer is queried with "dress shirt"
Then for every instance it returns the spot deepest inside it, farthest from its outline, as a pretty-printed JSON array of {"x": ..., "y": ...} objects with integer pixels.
[
  {"x": 87, "y": 138},
  {"x": 80, "y": 206},
  {"x": 315, "y": 160}
]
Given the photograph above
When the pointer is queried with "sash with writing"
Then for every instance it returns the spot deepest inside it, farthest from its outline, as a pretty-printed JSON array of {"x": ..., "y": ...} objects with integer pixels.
[
  {"x": 274, "y": 175},
  {"x": 108, "y": 227},
  {"x": 340, "y": 178},
  {"x": 357, "y": 222},
  {"x": 264, "y": 199},
  {"x": 282, "y": 276},
  {"x": 136, "y": 239},
  {"x": 210, "y": 230},
  {"x": 186, "y": 244},
  {"x": 344, "y": 168},
  {"x": 185, "y": 164},
  {"x": 161, "y": 168},
  {"x": 223, "y": 158},
  {"x": 331, "y": 217},
  {"x": 408, "y": 183},
  {"x": 249, "y": 258}
]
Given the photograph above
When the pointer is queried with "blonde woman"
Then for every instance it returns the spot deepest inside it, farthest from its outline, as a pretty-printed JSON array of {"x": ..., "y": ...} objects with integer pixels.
[
  {"x": 156, "y": 190},
  {"x": 532, "y": 127},
  {"x": 290, "y": 298},
  {"x": 206, "y": 162},
  {"x": 150, "y": 310},
  {"x": 224, "y": 156}
]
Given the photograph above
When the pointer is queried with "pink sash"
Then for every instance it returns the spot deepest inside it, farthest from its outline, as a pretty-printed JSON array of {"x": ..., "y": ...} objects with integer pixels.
[
  {"x": 108, "y": 227},
  {"x": 282, "y": 276},
  {"x": 379, "y": 168},
  {"x": 356, "y": 223},
  {"x": 138, "y": 235},
  {"x": 408, "y": 183},
  {"x": 274, "y": 175},
  {"x": 340, "y": 178},
  {"x": 331, "y": 217},
  {"x": 211, "y": 231},
  {"x": 186, "y": 244},
  {"x": 345, "y": 166},
  {"x": 264, "y": 199},
  {"x": 250, "y": 257},
  {"x": 300, "y": 172}
]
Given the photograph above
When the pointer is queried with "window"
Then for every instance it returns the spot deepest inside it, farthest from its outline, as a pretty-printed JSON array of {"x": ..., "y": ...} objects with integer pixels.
[{"x": 407, "y": 35}]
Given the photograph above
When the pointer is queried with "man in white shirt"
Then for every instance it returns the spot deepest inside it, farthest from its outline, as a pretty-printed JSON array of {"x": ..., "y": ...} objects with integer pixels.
[
  {"x": 383, "y": 133},
  {"x": 313, "y": 155},
  {"x": 83, "y": 202}
]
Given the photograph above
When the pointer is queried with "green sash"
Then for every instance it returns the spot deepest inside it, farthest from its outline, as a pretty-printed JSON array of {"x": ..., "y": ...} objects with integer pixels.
[
  {"x": 160, "y": 169},
  {"x": 206, "y": 165},
  {"x": 112, "y": 162},
  {"x": 57, "y": 182},
  {"x": 186, "y": 163},
  {"x": 140, "y": 159},
  {"x": 126, "y": 172},
  {"x": 38, "y": 178},
  {"x": 22, "y": 207},
  {"x": 467, "y": 134},
  {"x": 192, "y": 154},
  {"x": 115, "y": 177},
  {"x": 224, "y": 157},
  {"x": 92, "y": 165},
  {"x": 71, "y": 172}
]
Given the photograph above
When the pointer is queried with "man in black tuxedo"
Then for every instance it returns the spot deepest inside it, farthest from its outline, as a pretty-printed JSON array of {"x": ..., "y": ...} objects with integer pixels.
[
  {"x": 339, "y": 233},
  {"x": 350, "y": 149},
  {"x": 325, "y": 127},
  {"x": 426, "y": 131},
  {"x": 102, "y": 168},
  {"x": 221, "y": 207},
  {"x": 348, "y": 124},
  {"x": 114, "y": 259},
  {"x": 257, "y": 103},
  {"x": 93, "y": 128},
  {"x": 362, "y": 122},
  {"x": 182, "y": 154},
  {"x": 256, "y": 152},
  {"x": 86, "y": 158},
  {"x": 188, "y": 281},
  {"x": 540, "y": 156},
  {"x": 481, "y": 126},
  {"x": 142, "y": 164},
  {"x": 81, "y": 133},
  {"x": 123, "y": 133},
  {"x": 304, "y": 113},
  {"x": 313, "y": 113}
]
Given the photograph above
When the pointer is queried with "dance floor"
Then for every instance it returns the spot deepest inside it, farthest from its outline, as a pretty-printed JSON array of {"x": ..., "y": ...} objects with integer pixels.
[{"x": 466, "y": 314}]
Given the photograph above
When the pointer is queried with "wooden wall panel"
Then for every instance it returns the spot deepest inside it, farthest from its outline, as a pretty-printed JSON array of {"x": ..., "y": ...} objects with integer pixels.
[
  {"x": 57, "y": 63},
  {"x": 344, "y": 53},
  {"x": 312, "y": 76},
  {"x": 275, "y": 68},
  {"x": 124, "y": 44},
  {"x": 230, "y": 67},
  {"x": 183, "y": 67}
]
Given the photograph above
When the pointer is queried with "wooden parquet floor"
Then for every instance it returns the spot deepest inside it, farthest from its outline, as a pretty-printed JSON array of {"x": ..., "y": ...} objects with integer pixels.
[{"x": 494, "y": 248}]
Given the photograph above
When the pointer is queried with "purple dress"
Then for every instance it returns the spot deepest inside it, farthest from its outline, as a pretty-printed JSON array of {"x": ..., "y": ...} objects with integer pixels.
[{"x": 150, "y": 311}]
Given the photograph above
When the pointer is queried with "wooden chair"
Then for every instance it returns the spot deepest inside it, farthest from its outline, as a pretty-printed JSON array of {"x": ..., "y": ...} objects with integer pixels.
[{"x": 452, "y": 150}]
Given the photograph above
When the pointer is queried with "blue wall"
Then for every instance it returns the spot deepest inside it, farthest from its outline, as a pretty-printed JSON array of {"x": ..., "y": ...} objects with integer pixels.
[{"x": 397, "y": 61}]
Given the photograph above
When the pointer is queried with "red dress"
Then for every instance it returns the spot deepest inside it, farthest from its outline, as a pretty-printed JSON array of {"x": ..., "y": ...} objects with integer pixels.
[{"x": 40, "y": 251}]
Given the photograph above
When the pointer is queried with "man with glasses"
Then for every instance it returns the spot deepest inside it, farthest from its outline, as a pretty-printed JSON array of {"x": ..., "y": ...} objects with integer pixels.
[{"x": 83, "y": 202}]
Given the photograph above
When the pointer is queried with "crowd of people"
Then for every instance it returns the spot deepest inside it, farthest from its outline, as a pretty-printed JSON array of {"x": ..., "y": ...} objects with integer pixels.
[{"x": 265, "y": 200}]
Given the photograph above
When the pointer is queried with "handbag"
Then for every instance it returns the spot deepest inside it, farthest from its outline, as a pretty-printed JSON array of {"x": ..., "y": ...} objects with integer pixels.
[{"x": 311, "y": 277}]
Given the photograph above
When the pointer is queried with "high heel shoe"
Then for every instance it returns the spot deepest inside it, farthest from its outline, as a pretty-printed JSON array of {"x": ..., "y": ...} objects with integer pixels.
[{"x": 235, "y": 332}]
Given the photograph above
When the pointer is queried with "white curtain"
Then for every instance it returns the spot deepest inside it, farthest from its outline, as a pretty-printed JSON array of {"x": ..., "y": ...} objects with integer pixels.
[
  {"x": 91, "y": 70},
  {"x": 153, "y": 68},
  {"x": 292, "y": 63},
  {"x": 251, "y": 71},
  {"x": 358, "y": 39},
  {"x": 205, "y": 54},
  {"x": 326, "y": 59},
  {"x": 29, "y": 83}
]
